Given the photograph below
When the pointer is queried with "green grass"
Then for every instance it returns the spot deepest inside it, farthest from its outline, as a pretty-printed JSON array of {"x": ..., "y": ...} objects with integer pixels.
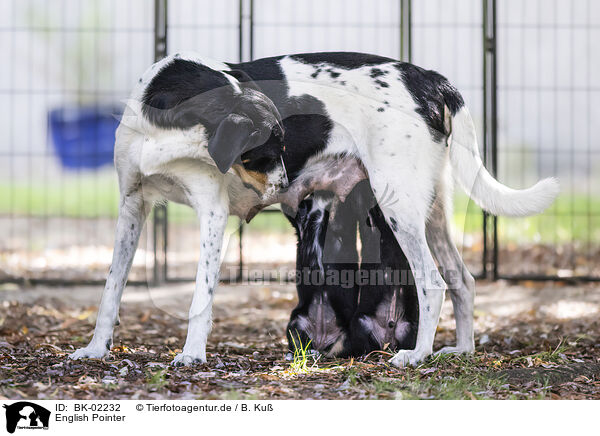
[
  {"x": 299, "y": 365},
  {"x": 571, "y": 218},
  {"x": 469, "y": 382},
  {"x": 554, "y": 355},
  {"x": 76, "y": 197},
  {"x": 157, "y": 379}
]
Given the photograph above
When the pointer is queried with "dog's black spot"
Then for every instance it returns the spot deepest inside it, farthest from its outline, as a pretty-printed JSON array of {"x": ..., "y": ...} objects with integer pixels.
[
  {"x": 408, "y": 136},
  {"x": 382, "y": 83},
  {"x": 206, "y": 279},
  {"x": 431, "y": 92},
  {"x": 394, "y": 224},
  {"x": 345, "y": 60},
  {"x": 385, "y": 102},
  {"x": 140, "y": 80},
  {"x": 132, "y": 226},
  {"x": 306, "y": 122},
  {"x": 380, "y": 109},
  {"x": 333, "y": 74},
  {"x": 316, "y": 73},
  {"x": 180, "y": 81},
  {"x": 108, "y": 344},
  {"x": 118, "y": 322},
  {"x": 376, "y": 72},
  {"x": 343, "y": 82}
]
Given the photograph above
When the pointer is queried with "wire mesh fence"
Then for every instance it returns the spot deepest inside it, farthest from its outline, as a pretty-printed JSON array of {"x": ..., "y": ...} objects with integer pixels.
[
  {"x": 548, "y": 52},
  {"x": 71, "y": 65},
  {"x": 73, "y": 62},
  {"x": 447, "y": 37}
]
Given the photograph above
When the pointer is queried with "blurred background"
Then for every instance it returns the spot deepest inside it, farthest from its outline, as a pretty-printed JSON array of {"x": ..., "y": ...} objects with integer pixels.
[{"x": 528, "y": 71}]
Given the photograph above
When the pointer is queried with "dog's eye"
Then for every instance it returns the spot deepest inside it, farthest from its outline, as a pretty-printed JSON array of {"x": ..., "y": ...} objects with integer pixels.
[{"x": 257, "y": 164}]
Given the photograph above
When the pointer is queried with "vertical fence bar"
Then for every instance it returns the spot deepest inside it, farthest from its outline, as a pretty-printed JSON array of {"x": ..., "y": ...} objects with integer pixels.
[
  {"x": 239, "y": 276},
  {"x": 405, "y": 31},
  {"x": 494, "y": 132},
  {"x": 159, "y": 222},
  {"x": 251, "y": 29},
  {"x": 245, "y": 32},
  {"x": 485, "y": 130},
  {"x": 490, "y": 133}
]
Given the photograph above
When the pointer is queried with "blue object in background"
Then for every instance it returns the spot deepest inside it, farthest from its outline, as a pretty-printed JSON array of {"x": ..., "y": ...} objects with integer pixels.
[{"x": 84, "y": 136}]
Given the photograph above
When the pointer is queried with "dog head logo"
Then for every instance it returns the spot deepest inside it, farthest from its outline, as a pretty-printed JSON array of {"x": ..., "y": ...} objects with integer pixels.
[{"x": 26, "y": 415}]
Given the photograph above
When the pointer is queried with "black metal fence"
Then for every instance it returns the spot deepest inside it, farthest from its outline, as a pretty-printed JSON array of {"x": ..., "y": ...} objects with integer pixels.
[{"x": 526, "y": 70}]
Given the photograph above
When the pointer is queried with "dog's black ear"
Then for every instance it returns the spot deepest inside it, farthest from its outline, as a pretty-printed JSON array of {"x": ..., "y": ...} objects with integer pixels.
[
  {"x": 244, "y": 79},
  {"x": 234, "y": 135}
]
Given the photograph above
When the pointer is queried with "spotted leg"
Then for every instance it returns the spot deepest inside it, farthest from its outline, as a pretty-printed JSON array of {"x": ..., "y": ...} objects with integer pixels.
[
  {"x": 406, "y": 212},
  {"x": 461, "y": 284},
  {"x": 208, "y": 197},
  {"x": 133, "y": 211}
]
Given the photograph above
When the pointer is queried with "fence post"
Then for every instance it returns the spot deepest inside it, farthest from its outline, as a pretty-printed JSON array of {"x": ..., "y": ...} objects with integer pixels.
[
  {"x": 405, "y": 31},
  {"x": 246, "y": 31},
  {"x": 490, "y": 132},
  {"x": 159, "y": 221}
]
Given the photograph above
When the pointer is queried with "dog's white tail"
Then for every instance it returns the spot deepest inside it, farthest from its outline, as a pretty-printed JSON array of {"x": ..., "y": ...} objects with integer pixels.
[{"x": 486, "y": 191}]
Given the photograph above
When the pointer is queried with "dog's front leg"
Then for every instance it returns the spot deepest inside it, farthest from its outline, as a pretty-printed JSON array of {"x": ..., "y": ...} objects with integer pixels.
[
  {"x": 132, "y": 214},
  {"x": 212, "y": 210}
]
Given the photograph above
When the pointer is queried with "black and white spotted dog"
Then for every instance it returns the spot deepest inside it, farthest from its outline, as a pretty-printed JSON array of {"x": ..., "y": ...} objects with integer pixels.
[
  {"x": 326, "y": 264},
  {"x": 387, "y": 311},
  {"x": 227, "y": 138},
  {"x": 346, "y": 307}
]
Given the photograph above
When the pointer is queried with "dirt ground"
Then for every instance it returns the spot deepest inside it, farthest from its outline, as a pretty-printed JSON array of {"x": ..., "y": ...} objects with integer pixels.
[{"x": 535, "y": 341}]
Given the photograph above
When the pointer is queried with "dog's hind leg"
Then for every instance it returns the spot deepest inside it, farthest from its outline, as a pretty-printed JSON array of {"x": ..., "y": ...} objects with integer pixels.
[
  {"x": 430, "y": 289},
  {"x": 408, "y": 225},
  {"x": 133, "y": 211},
  {"x": 461, "y": 284},
  {"x": 207, "y": 194},
  {"x": 404, "y": 195}
]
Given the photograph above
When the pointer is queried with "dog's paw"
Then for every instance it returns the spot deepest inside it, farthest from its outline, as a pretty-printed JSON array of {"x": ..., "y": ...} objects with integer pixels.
[
  {"x": 408, "y": 357},
  {"x": 89, "y": 352},
  {"x": 188, "y": 360},
  {"x": 454, "y": 350}
]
